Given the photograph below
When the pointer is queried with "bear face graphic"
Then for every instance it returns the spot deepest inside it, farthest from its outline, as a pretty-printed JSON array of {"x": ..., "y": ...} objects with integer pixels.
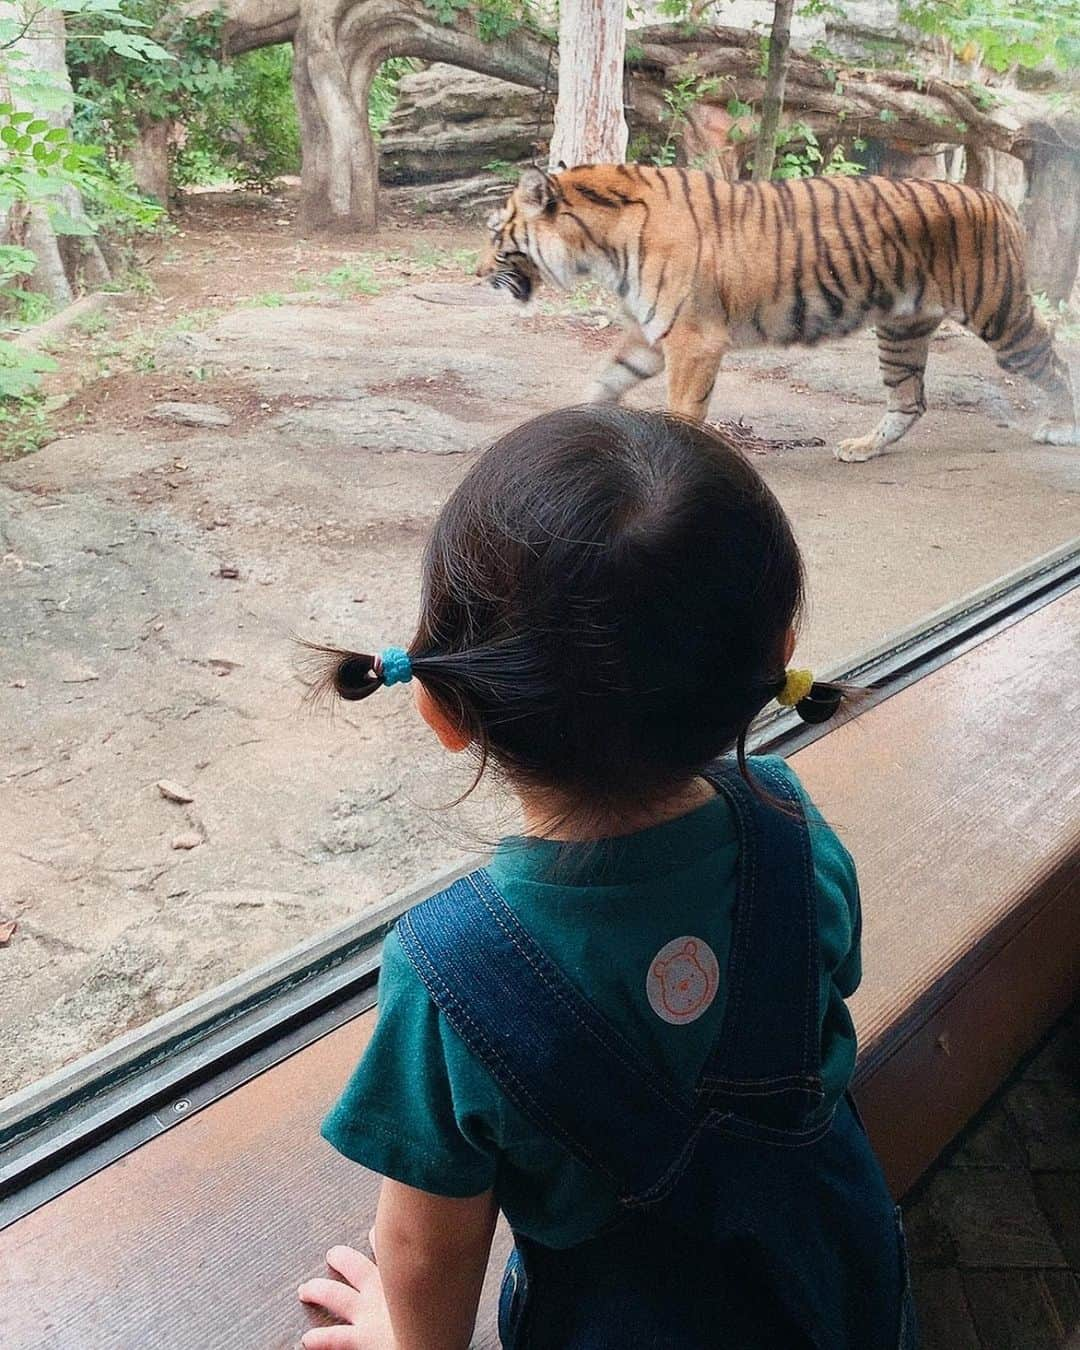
[{"x": 684, "y": 984}]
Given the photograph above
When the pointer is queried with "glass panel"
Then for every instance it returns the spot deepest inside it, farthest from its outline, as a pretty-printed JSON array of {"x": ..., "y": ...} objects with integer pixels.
[{"x": 259, "y": 429}]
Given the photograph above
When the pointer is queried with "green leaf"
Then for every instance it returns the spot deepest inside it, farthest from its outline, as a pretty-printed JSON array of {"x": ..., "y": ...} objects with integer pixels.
[
  {"x": 36, "y": 127},
  {"x": 66, "y": 224}
]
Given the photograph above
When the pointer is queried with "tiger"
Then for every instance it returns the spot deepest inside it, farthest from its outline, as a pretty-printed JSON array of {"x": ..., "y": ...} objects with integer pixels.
[{"x": 702, "y": 266}]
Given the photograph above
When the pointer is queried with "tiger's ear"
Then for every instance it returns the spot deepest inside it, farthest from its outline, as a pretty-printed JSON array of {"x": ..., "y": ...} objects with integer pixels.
[{"x": 534, "y": 192}]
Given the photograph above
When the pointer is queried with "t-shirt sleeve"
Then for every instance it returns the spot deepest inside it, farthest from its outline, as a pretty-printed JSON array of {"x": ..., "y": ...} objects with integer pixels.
[
  {"x": 416, "y": 1109},
  {"x": 839, "y": 907}
]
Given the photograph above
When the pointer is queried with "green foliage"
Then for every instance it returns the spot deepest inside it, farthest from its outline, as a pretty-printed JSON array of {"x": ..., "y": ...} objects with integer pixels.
[
  {"x": 384, "y": 90},
  {"x": 41, "y": 163},
  {"x": 679, "y": 98},
  {"x": 1064, "y": 321},
  {"x": 811, "y": 9},
  {"x": 799, "y": 155},
  {"x": 838, "y": 164},
  {"x": 21, "y": 370},
  {"x": 494, "y": 19},
  {"x": 351, "y": 280},
  {"x": 984, "y": 99},
  {"x": 119, "y": 93},
  {"x": 1003, "y": 34},
  {"x": 246, "y": 129},
  {"x": 503, "y": 170},
  {"x": 24, "y": 415}
]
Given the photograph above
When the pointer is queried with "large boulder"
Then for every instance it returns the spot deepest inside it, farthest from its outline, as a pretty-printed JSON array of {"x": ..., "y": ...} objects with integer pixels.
[{"x": 450, "y": 123}]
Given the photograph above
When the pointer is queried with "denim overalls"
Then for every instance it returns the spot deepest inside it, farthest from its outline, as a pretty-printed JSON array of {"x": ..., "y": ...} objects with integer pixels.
[{"x": 750, "y": 1218}]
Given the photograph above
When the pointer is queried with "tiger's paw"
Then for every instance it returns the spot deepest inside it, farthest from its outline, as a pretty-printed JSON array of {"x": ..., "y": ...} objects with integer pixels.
[
  {"x": 1057, "y": 433},
  {"x": 857, "y": 449}
]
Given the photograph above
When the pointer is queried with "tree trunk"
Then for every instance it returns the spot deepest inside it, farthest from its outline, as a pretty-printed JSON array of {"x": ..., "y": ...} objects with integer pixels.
[
  {"x": 1051, "y": 215},
  {"x": 590, "y": 125},
  {"x": 775, "y": 80},
  {"x": 339, "y": 176},
  {"x": 67, "y": 263},
  {"x": 149, "y": 159},
  {"x": 338, "y": 46}
]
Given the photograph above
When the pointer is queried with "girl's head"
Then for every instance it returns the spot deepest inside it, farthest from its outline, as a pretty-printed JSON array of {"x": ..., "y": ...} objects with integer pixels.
[{"x": 608, "y": 600}]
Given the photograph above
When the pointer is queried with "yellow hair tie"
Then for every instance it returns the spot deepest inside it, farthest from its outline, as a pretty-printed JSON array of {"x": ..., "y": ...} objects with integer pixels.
[{"x": 797, "y": 684}]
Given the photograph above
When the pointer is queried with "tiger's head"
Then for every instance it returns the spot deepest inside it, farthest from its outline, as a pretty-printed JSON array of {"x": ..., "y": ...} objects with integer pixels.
[{"x": 525, "y": 244}]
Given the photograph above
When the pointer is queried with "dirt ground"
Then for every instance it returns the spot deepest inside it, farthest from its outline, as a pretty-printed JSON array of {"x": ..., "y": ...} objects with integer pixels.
[{"x": 154, "y": 574}]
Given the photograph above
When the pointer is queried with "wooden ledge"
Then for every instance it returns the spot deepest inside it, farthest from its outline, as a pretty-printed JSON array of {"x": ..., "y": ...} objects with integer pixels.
[{"x": 959, "y": 800}]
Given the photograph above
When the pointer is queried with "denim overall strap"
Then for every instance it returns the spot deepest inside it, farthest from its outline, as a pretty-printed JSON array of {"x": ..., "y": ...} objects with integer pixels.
[
  {"x": 766, "y": 1063},
  {"x": 558, "y": 1059}
]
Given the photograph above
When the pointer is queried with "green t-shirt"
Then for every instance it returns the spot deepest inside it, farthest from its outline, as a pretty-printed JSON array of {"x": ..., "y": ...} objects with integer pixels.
[{"x": 422, "y": 1110}]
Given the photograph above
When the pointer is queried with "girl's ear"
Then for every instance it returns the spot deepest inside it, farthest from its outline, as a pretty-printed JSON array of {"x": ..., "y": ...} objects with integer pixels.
[
  {"x": 789, "y": 646},
  {"x": 451, "y": 737}
]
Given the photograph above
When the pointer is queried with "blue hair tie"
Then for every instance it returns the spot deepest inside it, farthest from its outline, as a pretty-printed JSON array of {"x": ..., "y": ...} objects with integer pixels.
[{"x": 395, "y": 666}]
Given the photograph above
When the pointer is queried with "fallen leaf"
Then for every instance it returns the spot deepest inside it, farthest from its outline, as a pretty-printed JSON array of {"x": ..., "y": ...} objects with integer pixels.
[{"x": 175, "y": 792}]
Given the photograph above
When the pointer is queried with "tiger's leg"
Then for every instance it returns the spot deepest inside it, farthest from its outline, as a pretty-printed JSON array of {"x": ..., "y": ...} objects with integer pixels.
[
  {"x": 1026, "y": 348},
  {"x": 693, "y": 362},
  {"x": 633, "y": 362},
  {"x": 902, "y": 352}
]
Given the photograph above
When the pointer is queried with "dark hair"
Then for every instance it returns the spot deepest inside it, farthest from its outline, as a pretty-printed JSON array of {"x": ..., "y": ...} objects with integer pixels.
[{"x": 605, "y": 600}]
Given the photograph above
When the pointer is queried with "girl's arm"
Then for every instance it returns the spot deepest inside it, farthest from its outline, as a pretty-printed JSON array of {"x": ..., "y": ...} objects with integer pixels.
[{"x": 432, "y": 1252}]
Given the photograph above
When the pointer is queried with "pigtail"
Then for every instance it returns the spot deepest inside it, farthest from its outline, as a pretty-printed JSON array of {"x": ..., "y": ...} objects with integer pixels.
[
  {"x": 822, "y": 702},
  {"x": 336, "y": 672}
]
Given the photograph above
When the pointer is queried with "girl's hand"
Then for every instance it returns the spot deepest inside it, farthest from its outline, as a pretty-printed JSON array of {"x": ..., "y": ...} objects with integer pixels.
[{"x": 359, "y": 1303}]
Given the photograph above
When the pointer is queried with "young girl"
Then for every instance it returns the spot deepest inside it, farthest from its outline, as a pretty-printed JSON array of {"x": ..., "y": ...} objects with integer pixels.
[{"x": 628, "y": 1031}]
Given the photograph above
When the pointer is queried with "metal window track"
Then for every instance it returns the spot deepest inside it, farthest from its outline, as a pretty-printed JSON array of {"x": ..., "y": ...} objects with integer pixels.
[{"x": 61, "y": 1130}]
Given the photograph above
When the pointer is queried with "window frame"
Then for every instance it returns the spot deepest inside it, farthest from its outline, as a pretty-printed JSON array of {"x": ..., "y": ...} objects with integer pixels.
[{"x": 63, "y": 1128}]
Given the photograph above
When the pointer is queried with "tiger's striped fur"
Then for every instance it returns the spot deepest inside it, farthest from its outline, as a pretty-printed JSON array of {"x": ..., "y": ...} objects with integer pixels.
[{"x": 701, "y": 266}]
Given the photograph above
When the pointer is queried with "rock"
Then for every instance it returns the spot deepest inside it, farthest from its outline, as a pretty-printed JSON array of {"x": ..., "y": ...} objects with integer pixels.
[
  {"x": 478, "y": 194},
  {"x": 450, "y": 122},
  {"x": 174, "y": 792},
  {"x": 192, "y": 414},
  {"x": 381, "y": 425},
  {"x": 7, "y": 932},
  {"x": 189, "y": 839}
]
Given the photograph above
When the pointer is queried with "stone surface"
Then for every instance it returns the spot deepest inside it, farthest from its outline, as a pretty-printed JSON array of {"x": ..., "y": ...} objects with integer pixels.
[
  {"x": 1022, "y": 1310},
  {"x": 984, "y": 1273},
  {"x": 1047, "y": 1119},
  {"x": 192, "y": 414},
  {"x": 1059, "y": 1197},
  {"x": 994, "y": 1219},
  {"x": 450, "y": 122},
  {"x": 943, "y": 1311}
]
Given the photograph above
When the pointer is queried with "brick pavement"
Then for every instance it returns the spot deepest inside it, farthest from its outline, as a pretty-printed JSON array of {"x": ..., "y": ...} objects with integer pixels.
[{"x": 994, "y": 1228}]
